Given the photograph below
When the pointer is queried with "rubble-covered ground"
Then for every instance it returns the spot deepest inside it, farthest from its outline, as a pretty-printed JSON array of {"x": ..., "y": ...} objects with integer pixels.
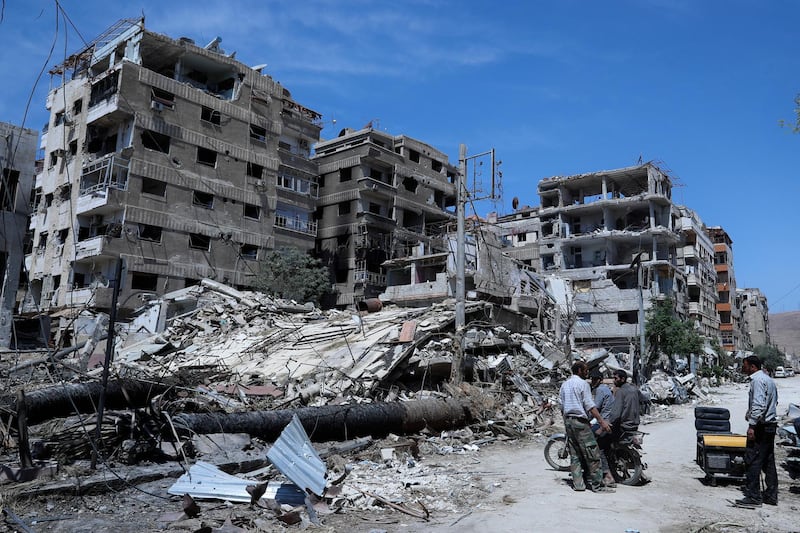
[{"x": 211, "y": 375}]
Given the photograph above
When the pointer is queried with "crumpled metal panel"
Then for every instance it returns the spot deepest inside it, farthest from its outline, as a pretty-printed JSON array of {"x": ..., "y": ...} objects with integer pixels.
[
  {"x": 297, "y": 459},
  {"x": 206, "y": 481}
]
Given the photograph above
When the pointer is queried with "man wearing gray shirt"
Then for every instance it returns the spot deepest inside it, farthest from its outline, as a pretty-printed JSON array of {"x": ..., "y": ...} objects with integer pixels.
[
  {"x": 762, "y": 419},
  {"x": 577, "y": 407}
]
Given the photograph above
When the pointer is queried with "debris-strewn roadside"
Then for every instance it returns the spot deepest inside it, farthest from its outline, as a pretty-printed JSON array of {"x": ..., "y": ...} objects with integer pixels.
[{"x": 211, "y": 375}]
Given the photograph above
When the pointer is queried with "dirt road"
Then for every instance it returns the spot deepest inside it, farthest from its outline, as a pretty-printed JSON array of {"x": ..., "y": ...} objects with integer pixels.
[{"x": 529, "y": 496}]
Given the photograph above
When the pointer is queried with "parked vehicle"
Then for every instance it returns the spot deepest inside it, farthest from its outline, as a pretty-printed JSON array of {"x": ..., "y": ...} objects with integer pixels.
[
  {"x": 624, "y": 461},
  {"x": 780, "y": 372}
]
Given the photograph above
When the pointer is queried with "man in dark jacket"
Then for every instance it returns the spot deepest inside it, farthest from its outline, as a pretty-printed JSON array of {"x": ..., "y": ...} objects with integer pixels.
[{"x": 625, "y": 411}]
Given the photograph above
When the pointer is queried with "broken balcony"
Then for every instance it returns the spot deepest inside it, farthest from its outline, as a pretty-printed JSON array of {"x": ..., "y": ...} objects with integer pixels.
[{"x": 99, "y": 179}]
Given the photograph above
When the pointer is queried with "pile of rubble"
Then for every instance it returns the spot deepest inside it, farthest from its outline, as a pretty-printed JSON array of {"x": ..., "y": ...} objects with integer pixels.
[{"x": 210, "y": 373}]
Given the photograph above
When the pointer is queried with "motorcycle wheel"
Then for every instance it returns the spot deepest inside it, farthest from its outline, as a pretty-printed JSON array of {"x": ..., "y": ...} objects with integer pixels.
[
  {"x": 626, "y": 466},
  {"x": 556, "y": 453}
]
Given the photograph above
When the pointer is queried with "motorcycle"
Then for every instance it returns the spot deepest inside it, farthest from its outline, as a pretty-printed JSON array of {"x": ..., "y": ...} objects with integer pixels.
[{"x": 624, "y": 457}]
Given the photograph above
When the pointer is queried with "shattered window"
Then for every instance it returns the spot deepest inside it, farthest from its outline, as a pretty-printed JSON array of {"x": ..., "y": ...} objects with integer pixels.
[
  {"x": 249, "y": 251},
  {"x": 206, "y": 157},
  {"x": 144, "y": 281},
  {"x": 199, "y": 242}
]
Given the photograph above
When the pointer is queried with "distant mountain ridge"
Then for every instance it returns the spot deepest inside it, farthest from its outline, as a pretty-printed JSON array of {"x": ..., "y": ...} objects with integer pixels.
[{"x": 784, "y": 330}]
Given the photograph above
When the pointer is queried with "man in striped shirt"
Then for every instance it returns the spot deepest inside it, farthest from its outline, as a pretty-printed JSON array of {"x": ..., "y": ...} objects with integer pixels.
[{"x": 578, "y": 407}]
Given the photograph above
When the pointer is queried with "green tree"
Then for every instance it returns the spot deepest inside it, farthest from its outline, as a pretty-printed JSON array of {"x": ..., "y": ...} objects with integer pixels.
[
  {"x": 770, "y": 356},
  {"x": 289, "y": 273},
  {"x": 669, "y": 335},
  {"x": 793, "y": 124}
]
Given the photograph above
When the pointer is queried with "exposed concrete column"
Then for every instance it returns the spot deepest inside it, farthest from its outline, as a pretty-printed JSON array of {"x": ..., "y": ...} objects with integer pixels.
[{"x": 605, "y": 187}]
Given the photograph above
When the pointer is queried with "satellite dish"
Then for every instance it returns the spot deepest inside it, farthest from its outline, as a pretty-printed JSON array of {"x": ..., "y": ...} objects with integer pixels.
[{"x": 515, "y": 203}]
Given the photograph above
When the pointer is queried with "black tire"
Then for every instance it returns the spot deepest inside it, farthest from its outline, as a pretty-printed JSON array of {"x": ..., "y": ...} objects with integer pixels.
[
  {"x": 712, "y": 426},
  {"x": 712, "y": 413},
  {"x": 626, "y": 466},
  {"x": 556, "y": 453}
]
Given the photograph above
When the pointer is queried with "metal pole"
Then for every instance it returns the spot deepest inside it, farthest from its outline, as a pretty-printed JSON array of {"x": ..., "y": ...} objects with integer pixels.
[
  {"x": 456, "y": 374},
  {"x": 637, "y": 377},
  {"x": 107, "y": 363}
]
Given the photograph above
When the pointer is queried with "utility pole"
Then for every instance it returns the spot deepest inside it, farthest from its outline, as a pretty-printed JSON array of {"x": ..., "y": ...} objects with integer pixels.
[
  {"x": 462, "y": 196},
  {"x": 456, "y": 374},
  {"x": 637, "y": 368},
  {"x": 101, "y": 404}
]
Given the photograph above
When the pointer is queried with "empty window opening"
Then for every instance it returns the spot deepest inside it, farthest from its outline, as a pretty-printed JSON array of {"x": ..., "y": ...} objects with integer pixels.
[
  {"x": 249, "y": 251},
  {"x": 344, "y": 208},
  {"x": 522, "y": 237},
  {"x": 77, "y": 106},
  {"x": 374, "y": 208},
  {"x": 8, "y": 189},
  {"x": 254, "y": 170},
  {"x": 153, "y": 140},
  {"x": 410, "y": 184},
  {"x": 163, "y": 99},
  {"x": 206, "y": 156},
  {"x": 413, "y": 155},
  {"x": 199, "y": 242},
  {"x": 211, "y": 115},
  {"x": 104, "y": 89},
  {"x": 346, "y": 174},
  {"x": 257, "y": 133},
  {"x": 628, "y": 317},
  {"x": 252, "y": 211},
  {"x": 154, "y": 187},
  {"x": 73, "y": 148},
  {"x": 148, "y": 232},
  {"x": 203, "y": 199},
  {"x": 144, "y": 281},
  {"x": 436, "y": 166}
]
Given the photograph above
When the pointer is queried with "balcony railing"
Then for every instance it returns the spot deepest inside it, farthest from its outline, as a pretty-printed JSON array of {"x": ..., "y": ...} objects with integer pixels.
[
  {"x": 297, "y": 224},
  {"x": 109, "y": 171}
]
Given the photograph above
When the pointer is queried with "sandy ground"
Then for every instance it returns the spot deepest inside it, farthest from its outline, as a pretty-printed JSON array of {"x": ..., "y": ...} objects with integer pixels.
[{"x": 503, "y": 487}]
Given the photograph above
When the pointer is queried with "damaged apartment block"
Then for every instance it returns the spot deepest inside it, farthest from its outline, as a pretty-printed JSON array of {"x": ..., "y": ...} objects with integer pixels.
[
  {"x": 596, "y": 229},
  {"x": 175, "y": 158},
  {"x": 381, "y": 196}
]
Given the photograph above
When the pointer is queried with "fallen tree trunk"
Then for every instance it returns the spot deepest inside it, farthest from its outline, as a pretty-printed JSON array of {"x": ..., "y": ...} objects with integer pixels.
[
  {"x": 334, "y": 422},
  {"x": 81, "y": 398}
]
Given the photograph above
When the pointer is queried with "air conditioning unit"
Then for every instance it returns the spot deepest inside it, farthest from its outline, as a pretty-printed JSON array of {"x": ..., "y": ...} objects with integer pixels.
[{"x": 156, "y": 106}]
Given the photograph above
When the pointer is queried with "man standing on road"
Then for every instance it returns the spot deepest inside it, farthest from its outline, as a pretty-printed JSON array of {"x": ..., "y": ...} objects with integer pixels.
[
  {"x": 604, "y": 401},
  {"x": 577, "y": 407},
  {"x": 762, "y": 418}
]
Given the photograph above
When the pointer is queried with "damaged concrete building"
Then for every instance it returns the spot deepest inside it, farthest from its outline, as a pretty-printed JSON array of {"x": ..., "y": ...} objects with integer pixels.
[
  {"x": 755, "y": 317},
  {"x": 17, "y": 156},
  {"x": 696, "y": 258},
  {"x": 602, "y": 230},
  {"x": 520, "y": 232},
  {"x": 727, "y": 307},
  {"x": 174, "y": 157},
  {"x": 380, "y": 196}
]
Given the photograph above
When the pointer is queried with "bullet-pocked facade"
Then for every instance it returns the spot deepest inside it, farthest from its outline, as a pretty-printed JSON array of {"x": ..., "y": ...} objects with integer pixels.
[
  {"x": 176, "y": 158},
  {"x": 380, "y": 196}
]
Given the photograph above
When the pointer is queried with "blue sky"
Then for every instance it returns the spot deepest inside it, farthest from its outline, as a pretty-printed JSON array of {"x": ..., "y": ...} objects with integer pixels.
[{"x": 556, "y": 87}]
